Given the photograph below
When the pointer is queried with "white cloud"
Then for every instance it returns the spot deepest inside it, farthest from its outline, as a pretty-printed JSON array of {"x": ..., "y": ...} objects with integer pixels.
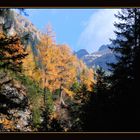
[{"x": 98, "y": 29}]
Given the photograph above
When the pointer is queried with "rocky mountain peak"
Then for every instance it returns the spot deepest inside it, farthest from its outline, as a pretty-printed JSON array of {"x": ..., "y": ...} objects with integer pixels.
[
  {"x": 99, "y": 58},
  {"x": 81, "y": 53}
]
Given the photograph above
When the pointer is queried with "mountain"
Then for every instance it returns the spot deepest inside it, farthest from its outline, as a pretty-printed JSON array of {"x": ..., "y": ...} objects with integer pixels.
[
  {"x": 81, "y": 53},
  {"x": 15, "y": 23},
  {"x": 99, "y": 58}
]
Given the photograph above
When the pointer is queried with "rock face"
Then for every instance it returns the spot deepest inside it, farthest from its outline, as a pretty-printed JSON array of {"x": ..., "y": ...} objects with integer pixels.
[
  {"x": 14, "y": 105},
  {"x": 12, "y": 23}
]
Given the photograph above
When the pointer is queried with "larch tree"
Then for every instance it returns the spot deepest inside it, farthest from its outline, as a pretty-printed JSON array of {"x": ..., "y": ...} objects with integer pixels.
[
  {"x": 46, "y": 43},
  {"x": 30, "y": 67},
  {"x": 85, "y": 75},
  {"x": 66, "y": 71},
  {"x": 59, "y": 64}
]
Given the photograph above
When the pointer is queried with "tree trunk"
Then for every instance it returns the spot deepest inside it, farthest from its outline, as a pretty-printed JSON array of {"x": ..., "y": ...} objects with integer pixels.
[
  {"x": 44, "y": 87},
  {"x": 61, "y": 97}
]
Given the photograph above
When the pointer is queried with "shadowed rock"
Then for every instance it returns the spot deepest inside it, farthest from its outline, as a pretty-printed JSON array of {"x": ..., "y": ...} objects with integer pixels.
[{"x": 14, "y": 104}]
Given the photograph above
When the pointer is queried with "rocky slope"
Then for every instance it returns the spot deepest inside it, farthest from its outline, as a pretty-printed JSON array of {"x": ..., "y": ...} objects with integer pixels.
[
  {"x": 15, "y": 23},
  {"x": 15, "y": 110},
  {"x": 15, "y": 113}
]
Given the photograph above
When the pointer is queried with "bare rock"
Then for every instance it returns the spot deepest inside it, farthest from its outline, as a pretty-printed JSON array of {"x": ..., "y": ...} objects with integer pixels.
[{"x": 14, "y": 105}]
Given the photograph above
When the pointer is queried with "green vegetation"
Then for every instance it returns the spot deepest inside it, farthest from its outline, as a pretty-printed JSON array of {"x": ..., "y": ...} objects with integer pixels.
[{"x": 35, "y": 95}]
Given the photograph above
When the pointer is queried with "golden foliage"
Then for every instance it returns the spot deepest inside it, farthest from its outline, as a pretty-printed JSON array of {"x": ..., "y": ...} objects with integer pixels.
[
  {"x": 29, "y": 66},
  {"x": 60, "y": 68},
  {"x": 59, "y": 65},
  {"x": 68, "y": 92},
  {"x": 7, "y": 124},
  {"x": 85, "y": 75}
]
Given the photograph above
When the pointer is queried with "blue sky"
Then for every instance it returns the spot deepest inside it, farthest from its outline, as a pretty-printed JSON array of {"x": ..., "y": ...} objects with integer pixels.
[{"x": 79, "y": 28}]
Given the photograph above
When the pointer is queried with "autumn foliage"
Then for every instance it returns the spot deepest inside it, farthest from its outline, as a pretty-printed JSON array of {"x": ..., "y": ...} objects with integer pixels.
[
  {"x": 29, "y": 66},
  {"x": 58, "y": 70},
  {"x": 11, "y": 52},
  {"x": 61, "y": 67}
]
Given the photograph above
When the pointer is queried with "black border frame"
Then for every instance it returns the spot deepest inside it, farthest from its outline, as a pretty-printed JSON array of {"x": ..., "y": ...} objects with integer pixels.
[
  {"x": 70, "y": 4},
  {"x": 71, "y": 136}
]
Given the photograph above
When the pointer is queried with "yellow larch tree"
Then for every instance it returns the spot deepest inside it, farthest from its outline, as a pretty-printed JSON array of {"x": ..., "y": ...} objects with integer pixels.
[
  {"x": 59, "y": 66},
  {"x": 29, "y": 66},
  {"x": 85, "y": 75}
]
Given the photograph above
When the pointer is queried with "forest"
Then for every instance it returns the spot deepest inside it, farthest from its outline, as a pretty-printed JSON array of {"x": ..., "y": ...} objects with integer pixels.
[{"x": 44, "y": 87}]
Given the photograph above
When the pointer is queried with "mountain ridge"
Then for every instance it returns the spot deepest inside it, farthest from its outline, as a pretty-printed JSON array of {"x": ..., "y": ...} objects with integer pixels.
[{"x": 99, "y": 58}]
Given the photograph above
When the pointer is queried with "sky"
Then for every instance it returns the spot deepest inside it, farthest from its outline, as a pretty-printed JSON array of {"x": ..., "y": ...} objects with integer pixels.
[{"x": 79, "y": 28}]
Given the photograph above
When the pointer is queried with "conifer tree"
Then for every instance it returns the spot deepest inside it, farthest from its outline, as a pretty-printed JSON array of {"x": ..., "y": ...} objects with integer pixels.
[
  {"x": 98, "y": 104},
  {"x": 11, "y": 52},
  {"x": 123, "y": 79}
]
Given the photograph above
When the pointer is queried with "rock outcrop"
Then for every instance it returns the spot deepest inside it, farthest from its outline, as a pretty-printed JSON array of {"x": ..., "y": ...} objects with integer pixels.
[{"x": 15, "y": 113}]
